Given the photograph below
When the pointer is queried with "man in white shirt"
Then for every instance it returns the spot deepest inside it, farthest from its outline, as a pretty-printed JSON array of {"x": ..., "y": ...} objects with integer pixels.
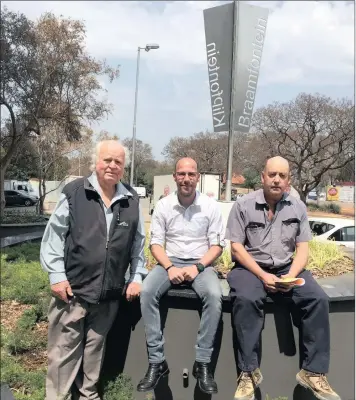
[{"x": 187, "y": 236}]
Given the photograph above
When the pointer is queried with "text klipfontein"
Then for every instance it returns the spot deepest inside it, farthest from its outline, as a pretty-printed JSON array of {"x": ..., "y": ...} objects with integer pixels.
[{"x": 220, "y": 114}]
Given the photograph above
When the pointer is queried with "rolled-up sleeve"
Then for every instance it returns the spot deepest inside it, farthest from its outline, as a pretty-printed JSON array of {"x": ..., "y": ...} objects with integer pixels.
[
  {"x": 158, "y": 228},
  {"x": 52, "y": 245},
  {"x": 304, "y": 233},
  {"x": 235, "y": 227},
  {"x": 216, "y": 231},
  {"x": 138, "y": 269}
]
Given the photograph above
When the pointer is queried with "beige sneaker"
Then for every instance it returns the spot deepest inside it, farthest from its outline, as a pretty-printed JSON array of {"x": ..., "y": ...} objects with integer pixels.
[
  {"x": 247, "y": 383},
  {"x": 318, "y": 384}
]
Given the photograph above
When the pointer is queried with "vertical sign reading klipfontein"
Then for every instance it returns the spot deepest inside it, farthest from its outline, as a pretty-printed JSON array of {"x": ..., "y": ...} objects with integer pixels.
[
  {"x": 219, "y": 32},
  {"x": 219, "y": 27}
]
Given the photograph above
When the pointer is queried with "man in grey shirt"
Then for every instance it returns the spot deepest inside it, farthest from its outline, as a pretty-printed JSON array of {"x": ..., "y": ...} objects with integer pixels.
[
  {"x": 93, "y": 235},
  {"x": 265, "y": 228},
  {"x": 187, "y": 236}
]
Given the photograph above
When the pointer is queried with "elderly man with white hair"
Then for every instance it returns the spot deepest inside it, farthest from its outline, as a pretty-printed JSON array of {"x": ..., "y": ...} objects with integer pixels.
[{"x": 94, "y": 234}]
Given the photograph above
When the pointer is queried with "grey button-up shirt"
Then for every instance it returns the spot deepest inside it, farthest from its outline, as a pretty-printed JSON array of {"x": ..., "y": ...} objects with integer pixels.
[
  {"x": 52, "y": 246},
  {"x": 270, "y": 243}
]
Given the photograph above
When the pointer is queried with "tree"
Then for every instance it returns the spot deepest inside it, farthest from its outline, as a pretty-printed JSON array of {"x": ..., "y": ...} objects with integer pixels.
[
  {"x": 143, "y": 161},
  {"x": 53, "y": 157},
  {"x": 313, "y": 132},
  {"x": 48, "y": 79},
  {"x": 208, "y": 149}
]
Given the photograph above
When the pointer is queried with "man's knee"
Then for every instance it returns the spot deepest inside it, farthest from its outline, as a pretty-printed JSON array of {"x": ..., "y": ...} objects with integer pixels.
[
  {"x": 245, "y": 299},
  {"x": 321, "y": 299},
  {"x": 213, "y": 296}
]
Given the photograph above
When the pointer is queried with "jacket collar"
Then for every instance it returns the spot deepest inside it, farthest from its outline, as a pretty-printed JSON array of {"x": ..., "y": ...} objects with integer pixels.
[{"x": 91, "y": 183}]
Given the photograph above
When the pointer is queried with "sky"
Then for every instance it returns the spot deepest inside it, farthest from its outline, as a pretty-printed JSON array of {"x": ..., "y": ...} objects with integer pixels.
[{"x": 309, "y": 47}]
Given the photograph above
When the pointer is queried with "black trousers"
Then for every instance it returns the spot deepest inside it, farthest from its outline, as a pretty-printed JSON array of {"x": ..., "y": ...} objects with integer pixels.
[{"x": 248, "y": 297}]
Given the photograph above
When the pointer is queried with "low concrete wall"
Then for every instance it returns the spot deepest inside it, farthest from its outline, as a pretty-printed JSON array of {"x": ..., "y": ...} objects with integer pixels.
[
  {"x": 20, "y": 229},
  {"x": 126, "y": 351}
]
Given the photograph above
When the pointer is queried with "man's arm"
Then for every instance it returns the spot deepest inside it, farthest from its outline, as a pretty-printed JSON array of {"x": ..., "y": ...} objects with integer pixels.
[
  {"x": 138, "y": 268},
  {"x": 300, "y": 260},
  {"x": 52, "y": 249},
  {"x": 158, "y": 236},
  {"x": 216, "y": 237},
  {"x": 304, "y": 235}
]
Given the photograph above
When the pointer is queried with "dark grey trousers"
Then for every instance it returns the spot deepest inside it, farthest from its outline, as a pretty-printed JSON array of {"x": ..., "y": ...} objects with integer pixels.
[{"x": 248, "y": 297}]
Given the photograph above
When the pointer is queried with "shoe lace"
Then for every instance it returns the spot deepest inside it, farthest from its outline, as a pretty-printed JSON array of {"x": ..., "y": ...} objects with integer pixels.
[
  {"x": 322, "y": 381},
  {"x": 244, "y": 379}
]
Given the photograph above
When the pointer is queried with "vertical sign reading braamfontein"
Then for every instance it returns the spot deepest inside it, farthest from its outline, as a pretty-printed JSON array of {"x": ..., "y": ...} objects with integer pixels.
[
  {"x": 219, "y": 26},
  {"x": 219, "y": 31},
  {"x": 252, "y": 25}
]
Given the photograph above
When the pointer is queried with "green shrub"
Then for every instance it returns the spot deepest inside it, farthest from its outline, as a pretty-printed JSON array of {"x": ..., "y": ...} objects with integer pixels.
[
  {"x": 41, "y": 308},
  {"x": 119, "y": 389},
  {"x": 333, "y": 208},
  {"x": 22, "y": 217},
  {"x": 277, "y": 398},
  {"x": 23, "y": 279},
  {"x": 322, "y": 254},
  {"x": 25, "y": 252},
  {"x": 23, "y": 338},
  {"x": 28, "y": 384},
  {"x": 328, "y": 207}
]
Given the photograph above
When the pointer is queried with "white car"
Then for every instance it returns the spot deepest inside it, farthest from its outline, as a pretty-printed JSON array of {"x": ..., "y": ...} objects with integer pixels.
[{"x": 340, "y": 230}]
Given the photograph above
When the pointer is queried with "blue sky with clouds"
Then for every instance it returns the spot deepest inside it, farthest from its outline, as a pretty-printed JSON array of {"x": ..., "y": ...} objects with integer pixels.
[{"x": 309, "y": 47}]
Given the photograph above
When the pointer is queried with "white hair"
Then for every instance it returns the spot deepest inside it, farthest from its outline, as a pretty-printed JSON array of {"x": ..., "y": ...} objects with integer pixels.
[{"x": 96, "y": 149}]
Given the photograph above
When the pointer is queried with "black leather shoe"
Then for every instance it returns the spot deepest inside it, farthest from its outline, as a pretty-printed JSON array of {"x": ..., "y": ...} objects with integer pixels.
[
  {"x": 154, "y": 373},
  {"x": 203, "y": 375}
]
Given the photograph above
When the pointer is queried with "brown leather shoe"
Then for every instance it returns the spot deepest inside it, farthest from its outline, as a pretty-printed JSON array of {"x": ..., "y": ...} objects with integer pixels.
[{"x": 318, "y": 384}]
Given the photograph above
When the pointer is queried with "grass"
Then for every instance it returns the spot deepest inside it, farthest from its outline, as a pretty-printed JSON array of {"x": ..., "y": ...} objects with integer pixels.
[{"x": 323, "y": 254}]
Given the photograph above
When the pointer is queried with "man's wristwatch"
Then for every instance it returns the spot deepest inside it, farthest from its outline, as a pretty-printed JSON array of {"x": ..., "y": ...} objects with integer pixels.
[{"x": 200, "y": 267}]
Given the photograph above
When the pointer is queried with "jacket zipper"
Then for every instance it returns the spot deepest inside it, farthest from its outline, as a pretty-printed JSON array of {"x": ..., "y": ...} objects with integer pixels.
[
  {"x": 106, "y": 258},
  {"x": 106, "y": 255}
]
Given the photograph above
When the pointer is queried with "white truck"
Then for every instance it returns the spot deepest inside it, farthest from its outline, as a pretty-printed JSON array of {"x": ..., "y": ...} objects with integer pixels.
[
  {"x": 164, "y": 185},
  {"x": 24, "y": 186},
  {"x": 141, "y": 191}
]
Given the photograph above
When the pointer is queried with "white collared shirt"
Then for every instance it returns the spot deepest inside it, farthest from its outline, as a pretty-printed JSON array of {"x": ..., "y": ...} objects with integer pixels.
[{"x": 187, "y": 232}]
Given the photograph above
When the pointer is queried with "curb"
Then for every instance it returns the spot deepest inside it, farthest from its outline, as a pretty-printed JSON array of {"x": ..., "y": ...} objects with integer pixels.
[{"x": 23, "y": 225}]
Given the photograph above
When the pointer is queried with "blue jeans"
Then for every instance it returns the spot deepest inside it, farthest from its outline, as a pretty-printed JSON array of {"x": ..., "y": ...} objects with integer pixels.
[{"x": 207, "y": 287}]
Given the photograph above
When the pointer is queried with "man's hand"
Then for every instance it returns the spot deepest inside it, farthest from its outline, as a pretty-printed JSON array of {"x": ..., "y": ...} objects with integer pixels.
[
  {"x": 285, "y": 288},
  {"x": 190, "y": 273},
  {"x": 176, "y": 275},
  {"x": 133, "y": 291},
  {"x": 62, "y": 290},
  {"x": 269, "y": 281}
]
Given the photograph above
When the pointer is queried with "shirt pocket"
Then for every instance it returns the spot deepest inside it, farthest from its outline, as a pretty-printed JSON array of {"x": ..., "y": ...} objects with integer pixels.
[
  {"x": 290, "y": 229},
  {"x": 254, "y": 233},
  {"x": 197, "y": 227}
]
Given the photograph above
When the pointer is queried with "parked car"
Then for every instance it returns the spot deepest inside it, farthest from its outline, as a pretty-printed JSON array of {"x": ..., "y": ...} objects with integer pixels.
[
  {"x": 340, "y": 230},
  {"x": 313, "y": 196},
  {"x": 19, "y": 198}
]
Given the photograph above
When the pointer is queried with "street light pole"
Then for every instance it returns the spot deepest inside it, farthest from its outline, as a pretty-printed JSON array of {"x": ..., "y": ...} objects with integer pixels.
[
  {"x": 134, "y": 121},
  {"x": 147, "y": 48}
]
